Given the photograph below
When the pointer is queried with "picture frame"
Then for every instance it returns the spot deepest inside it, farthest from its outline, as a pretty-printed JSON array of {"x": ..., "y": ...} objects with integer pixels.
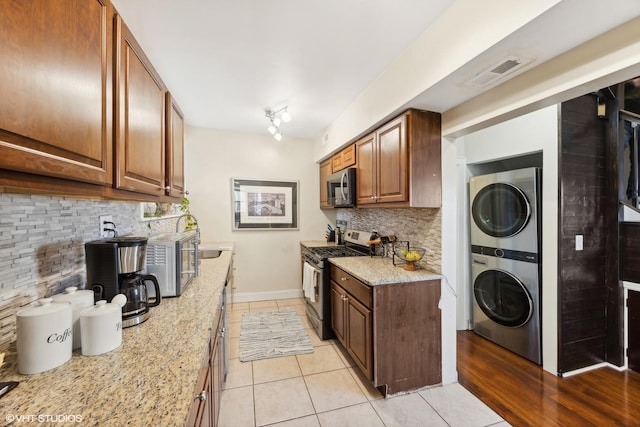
[{"x": 260, "y": 204}]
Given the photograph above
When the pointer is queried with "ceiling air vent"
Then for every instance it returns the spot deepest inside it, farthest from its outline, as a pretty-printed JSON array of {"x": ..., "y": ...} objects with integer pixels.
[{"x": 497, "y": 71}]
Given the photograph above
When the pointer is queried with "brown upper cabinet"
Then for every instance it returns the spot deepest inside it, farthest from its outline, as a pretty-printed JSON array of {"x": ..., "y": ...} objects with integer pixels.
[
  {"x": 84, "y": 106},
  {"x": 399, "y": 164},
  {"x": 344, "y": 158},
  {"x": 175, "y": 148},
  {"x": 140, "y": 118},
  {"x": 56, "y": 112},
  {"x": 325, "y": 171}
]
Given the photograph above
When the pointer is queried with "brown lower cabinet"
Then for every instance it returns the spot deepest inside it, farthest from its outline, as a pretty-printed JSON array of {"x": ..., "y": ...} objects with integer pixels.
[
  {"x": 391, "y": 331},
  {"x": 205, "y": 407}
]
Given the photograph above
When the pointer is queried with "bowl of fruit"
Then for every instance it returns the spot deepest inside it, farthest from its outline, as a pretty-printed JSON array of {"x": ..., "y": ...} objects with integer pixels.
[{"x": 410, "y": 256}]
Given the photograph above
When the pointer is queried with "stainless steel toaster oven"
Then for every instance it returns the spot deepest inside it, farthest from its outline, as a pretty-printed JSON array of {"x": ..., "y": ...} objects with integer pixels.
[{"x": 172, "y": 258}]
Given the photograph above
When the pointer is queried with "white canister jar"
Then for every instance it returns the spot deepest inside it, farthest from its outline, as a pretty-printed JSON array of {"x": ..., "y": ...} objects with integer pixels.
[
  {"x": 101, "y": 328},
  {"x": 44, "y": 336},
  {"x": 79, "y": 301}
]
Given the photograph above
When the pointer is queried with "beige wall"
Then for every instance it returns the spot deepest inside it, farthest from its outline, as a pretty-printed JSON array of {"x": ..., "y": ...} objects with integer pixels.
[{"x": 267, "y": 262}]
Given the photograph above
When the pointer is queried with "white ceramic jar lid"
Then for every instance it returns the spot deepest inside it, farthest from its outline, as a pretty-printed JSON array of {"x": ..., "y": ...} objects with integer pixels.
[
  {"x": 72, "y": 294},
  {"x": 44, "y": 306},
  {"x": 101, "y": 308}
]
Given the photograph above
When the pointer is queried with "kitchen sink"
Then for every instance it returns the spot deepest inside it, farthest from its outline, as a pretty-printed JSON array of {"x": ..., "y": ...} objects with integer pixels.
[{"x": 209, "y": 253}]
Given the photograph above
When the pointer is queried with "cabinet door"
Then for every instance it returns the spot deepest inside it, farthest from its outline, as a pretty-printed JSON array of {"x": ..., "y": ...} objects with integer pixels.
[
  {"x": 325, "y": 171},
  {"x": 366, "y": 176},
  {"x": 338, "y": 319},
  {"x": 200, "y": 410},
  {"x": 56, "y": 85},
  {"x": 359, "y": 335},
  {"x": 393, "y": 162},
  {"x": 140, "y": 119},
  {"x": 175, "y": 148},
  {"x": 336, "y": 163},
  {"x": 349, "y": 156},
  {"x": 217, "y": 375}
]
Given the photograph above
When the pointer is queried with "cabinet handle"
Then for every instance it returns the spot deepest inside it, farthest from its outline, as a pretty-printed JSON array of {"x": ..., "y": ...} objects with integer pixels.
[
  {"x": 168, "y": 187},
  {"x": 343, "y": 279},
  {"x": 202, "y": 396},
  {"x": 343, "y": 297}
]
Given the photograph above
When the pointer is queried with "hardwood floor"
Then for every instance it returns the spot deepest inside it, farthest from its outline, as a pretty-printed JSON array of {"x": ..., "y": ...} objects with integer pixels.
[{"x": 525, "y": 395}]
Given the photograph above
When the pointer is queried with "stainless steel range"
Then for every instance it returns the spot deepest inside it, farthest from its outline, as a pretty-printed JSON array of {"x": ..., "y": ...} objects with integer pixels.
[{"x": 316, "y": 267}]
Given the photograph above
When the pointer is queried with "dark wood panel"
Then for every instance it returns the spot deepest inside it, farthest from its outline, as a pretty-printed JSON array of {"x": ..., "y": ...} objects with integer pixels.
[
  {"x": 630, "y": 251},
  {"x": 585, "y": 208},
  {"x": 407, "y": 337},
  {"x": 424, "y": 130},
  {"x": 524, "y": 394},
  {"x": 633, "y": 304}
]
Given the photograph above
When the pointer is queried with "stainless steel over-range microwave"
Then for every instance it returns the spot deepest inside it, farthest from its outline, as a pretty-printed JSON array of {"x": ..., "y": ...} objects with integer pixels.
[
  {"x": 171, "y": 258},
  {"x": 341, "y": 188}
]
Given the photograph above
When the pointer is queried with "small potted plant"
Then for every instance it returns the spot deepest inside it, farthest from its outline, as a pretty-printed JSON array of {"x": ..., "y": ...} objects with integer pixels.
[{"x": 184, "y": 208}]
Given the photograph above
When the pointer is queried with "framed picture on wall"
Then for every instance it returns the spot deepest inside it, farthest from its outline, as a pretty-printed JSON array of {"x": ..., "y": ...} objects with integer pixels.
[{"x": 264, "y": 205}]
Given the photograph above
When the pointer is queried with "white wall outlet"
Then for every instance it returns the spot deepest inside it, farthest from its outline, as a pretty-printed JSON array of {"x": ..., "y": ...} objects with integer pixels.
[
  {"x": 579, "y": 242},
  {"x": 105, "y": 229}
]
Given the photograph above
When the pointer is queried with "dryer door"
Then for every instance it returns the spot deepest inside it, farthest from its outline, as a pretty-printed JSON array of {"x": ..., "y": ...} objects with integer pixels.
[
  {"x": 503, "y": 298},
  {"x": 501, "y": 210}
]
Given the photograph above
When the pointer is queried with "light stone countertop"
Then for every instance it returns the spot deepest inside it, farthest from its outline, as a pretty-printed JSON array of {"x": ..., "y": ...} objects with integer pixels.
[
  {"x": 149, "y": 380},
  {"x": 381, "y": 271},
  {"x": 316, "y": 243}
]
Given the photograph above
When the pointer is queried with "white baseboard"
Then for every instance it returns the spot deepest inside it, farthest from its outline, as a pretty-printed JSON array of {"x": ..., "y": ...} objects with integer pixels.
[
  {"x": 266, "y": 296},
  {"x": 592, "y": 367}
]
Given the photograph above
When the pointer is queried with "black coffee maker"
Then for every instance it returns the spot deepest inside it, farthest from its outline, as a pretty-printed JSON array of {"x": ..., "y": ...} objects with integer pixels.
[{"x": 113, "y": 267}]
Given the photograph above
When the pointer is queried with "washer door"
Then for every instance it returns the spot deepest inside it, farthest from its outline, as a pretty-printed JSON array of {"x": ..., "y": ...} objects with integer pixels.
[
  {"x": 501, "y": 210},
  {"x": 503, "y": 298}
]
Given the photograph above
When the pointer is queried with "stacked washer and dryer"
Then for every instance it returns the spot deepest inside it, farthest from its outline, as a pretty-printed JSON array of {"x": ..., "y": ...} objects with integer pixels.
[{"x": 506, "y": 259}]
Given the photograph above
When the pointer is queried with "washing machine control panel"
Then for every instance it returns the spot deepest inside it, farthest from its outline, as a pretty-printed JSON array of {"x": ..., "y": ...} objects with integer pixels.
[{"x": 505, "y": 253}]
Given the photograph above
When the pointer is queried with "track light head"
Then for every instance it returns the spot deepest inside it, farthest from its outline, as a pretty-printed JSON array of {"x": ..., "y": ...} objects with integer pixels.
[{"x": 276, "y": 121}]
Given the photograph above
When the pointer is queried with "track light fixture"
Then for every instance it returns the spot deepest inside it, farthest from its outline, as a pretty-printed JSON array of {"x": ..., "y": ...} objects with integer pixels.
[{"x": 276, "y": 118}]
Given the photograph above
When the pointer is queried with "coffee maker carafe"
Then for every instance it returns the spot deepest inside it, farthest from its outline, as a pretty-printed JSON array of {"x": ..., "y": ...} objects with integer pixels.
[{"x": 113, "y": 267}]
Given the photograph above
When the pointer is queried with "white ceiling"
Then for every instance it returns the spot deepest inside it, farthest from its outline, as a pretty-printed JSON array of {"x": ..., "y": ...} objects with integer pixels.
[{"x": 226, "y": 61}]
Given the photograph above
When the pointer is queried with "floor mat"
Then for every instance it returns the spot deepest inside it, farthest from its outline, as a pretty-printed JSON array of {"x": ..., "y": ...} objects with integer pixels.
[{"x": 276, "y": 333}]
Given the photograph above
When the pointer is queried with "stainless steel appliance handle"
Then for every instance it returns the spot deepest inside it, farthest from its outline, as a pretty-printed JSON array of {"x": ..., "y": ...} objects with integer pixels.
[{"x": 342, "y": 179}]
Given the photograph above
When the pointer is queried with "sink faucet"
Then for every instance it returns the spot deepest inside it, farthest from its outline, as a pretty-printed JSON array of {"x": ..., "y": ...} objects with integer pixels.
[{"x": 196, "y": 242}]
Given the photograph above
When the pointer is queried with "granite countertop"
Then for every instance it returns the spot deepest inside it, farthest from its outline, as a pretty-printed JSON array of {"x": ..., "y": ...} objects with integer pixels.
[
  {"x": 380, "y": 270},
  {"x": 316, "y": 243},
  {"x": 149, "y": 380}
]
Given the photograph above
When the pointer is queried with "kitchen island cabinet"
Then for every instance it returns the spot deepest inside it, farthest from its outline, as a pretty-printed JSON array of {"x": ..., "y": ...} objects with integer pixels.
[
  {"x": 399, "y": 164},
  {"x": 56, "y": 117},
  {"x": 151, "y": 379},
  {"x": 391, "y": 328}
]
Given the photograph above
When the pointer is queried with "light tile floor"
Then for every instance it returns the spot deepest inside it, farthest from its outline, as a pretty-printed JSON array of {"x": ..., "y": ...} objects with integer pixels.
[{"x": 324, "y": 389}]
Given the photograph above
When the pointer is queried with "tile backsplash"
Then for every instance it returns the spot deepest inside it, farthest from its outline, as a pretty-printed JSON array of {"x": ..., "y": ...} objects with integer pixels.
[
  {"x": 42, "y": 245},
  {"x": 421, "y": 227}
]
